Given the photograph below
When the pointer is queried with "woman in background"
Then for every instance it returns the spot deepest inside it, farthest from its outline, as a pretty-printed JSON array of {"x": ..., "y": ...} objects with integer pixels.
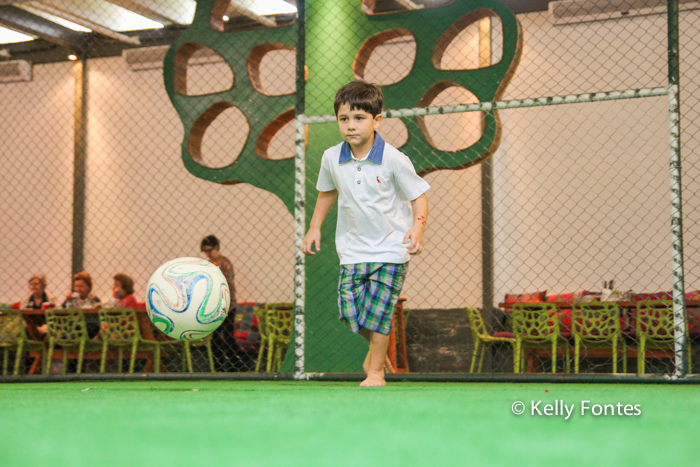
[
  {"x": 37, "y": 299},
  {"x": 225, "y": 349},
  {"x": 81, "y": 296},
  {"x": 123, "y": 292},
  {"x": 210, "y": 247},
  {"x": 37, "y": 294}
]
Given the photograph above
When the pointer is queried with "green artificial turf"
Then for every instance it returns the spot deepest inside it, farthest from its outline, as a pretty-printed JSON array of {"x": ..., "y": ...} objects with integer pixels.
[{"x": 221, "y": 423}]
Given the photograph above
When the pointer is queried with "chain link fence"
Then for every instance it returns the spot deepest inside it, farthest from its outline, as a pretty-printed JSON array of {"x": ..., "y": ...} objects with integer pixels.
[{"x": 549, "y": 245}]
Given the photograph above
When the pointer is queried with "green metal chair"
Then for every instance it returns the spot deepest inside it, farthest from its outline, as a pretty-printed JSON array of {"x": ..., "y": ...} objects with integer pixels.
[
  {"x": 271, "y": 337},
  {"x": 280, "y": 317},
  {"x": 13, "y": 336},
  {"x": 536, "y": 326},
  {"x": 203, "y": 342},
  {"x": 119, "y": 327},
  {"x": 596, "y": 325},
  {"x": 261, "y": 313},
  {"x": 483, "y": 339},
  {"x": 66, "y": 327},
  {"x": 655, "y": 330}
]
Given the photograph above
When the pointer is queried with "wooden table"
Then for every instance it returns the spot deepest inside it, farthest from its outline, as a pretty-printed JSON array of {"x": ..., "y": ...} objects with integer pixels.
[{"x": 35, "y": 318}]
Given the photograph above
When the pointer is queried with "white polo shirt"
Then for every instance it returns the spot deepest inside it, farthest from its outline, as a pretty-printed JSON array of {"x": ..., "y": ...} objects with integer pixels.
[{"x": 374, "y": 201}]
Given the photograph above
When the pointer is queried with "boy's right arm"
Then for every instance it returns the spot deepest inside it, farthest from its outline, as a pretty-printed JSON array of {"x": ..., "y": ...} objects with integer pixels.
[{"x": 313, "y": 236}]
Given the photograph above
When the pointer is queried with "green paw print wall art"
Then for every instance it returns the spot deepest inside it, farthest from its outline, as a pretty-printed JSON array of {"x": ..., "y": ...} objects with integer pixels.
[{"x": 340, "y": 39}]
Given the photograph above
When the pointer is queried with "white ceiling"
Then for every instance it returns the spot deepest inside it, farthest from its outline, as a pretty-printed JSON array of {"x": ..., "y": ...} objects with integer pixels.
[{"x": 113, "y": 17}]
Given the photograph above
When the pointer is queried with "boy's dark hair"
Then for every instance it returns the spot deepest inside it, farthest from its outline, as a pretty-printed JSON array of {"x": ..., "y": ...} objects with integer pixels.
[
  {"x": 361, "y": 95},
  {"x": 210, "y": 241}
]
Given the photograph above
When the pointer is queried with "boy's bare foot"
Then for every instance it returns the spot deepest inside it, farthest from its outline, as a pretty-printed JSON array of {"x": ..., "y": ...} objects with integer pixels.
[
  {"x": 374, "y": 378},
  {"x": 365, "y": 365}
]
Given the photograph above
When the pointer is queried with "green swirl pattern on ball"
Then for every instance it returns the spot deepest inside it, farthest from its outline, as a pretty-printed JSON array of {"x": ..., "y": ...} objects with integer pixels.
[
  {"x": 193, "y": 335},
  {"x": 165, "y": 325}
]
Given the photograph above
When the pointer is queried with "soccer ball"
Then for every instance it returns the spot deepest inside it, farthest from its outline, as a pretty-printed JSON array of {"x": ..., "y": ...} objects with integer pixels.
[{"x": 187, "y": 298}]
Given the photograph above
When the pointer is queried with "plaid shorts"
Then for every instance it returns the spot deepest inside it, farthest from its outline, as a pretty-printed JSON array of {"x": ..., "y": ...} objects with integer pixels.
[{"x": 367, "y": 293}]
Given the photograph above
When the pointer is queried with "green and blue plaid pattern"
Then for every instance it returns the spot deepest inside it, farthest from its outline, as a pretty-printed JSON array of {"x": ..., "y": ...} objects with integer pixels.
[{"x": 367, "y": 293}]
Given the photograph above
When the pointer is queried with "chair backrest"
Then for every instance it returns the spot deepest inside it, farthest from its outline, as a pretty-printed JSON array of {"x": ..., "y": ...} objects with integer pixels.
[
  {"x": 279, "y": 320},
  {"x": 596, "y": 320},
  {"x": 11, "y": 326},
  {"x": 476, "y": 321},
  {"x": 261, "y": 313},
  {"x": 119, "y": 325},
  {"x": 655, "y": 320},
  {"x": 66, "y": 325},
  {"x": 535, "y": 322}
]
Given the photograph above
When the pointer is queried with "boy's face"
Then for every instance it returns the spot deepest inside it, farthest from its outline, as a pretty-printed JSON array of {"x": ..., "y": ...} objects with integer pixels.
[{"x": 357, "y": 126}]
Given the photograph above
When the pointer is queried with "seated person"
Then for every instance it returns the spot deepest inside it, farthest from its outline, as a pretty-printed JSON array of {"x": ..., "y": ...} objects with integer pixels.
[
  {"x": 36, "y": 299},
  {"x": 37, "y": 294},
  {"x": 225, "y": 358},
  {"x": 210, "y": 247},
  {"x": 123, "y": 292},
  {"x": 82, "y": 297}
]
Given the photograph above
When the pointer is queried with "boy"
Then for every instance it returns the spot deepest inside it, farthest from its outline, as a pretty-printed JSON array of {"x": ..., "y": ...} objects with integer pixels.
[{"x": 381, "y": 208}]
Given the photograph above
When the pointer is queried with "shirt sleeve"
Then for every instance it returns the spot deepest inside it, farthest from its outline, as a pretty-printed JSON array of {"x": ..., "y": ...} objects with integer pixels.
[
  {"x": 406, "y": 178},
  {"x": 128, "y": 302},
  {"x": 325, "y": 179}
]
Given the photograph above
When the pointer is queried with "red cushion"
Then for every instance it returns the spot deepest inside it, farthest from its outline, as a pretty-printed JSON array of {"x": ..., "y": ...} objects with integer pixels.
[
  {"x": 533, "y": 297},
  {"x": 654, "y": 296},
  {"x": 509, "y": 335},
  {"x": 565, "y": 321},
  {"x": 561, "y": 297}
]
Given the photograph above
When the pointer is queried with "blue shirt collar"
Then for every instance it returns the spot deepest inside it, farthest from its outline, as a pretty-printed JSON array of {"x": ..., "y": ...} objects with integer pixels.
[{"x": 375, "y": 154}]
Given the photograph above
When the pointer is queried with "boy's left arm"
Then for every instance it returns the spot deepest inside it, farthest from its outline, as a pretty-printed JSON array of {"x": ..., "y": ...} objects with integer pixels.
[{"x": 420, "y": 218}]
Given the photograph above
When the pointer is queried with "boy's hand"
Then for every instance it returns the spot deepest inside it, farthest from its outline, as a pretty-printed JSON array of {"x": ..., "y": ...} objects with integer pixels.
[
  {"x": 312, "y": 236},
  {"x": 415, "y": 235}
]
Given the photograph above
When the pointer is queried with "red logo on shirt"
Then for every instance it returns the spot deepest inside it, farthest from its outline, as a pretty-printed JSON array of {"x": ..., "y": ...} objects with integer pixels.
[{"x": 378, "y": 181}]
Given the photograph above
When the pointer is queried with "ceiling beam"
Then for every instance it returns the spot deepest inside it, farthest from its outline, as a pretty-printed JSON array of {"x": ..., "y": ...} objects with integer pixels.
[
  {"x": 25, "y": 22},
  {"x": 238, "y": 9},
  {"x": 73, "y": 18},
  {"x": 162, "y": 12},
  {"x": 526, "y": 6},
  {"x": 410, "y": 5}
]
